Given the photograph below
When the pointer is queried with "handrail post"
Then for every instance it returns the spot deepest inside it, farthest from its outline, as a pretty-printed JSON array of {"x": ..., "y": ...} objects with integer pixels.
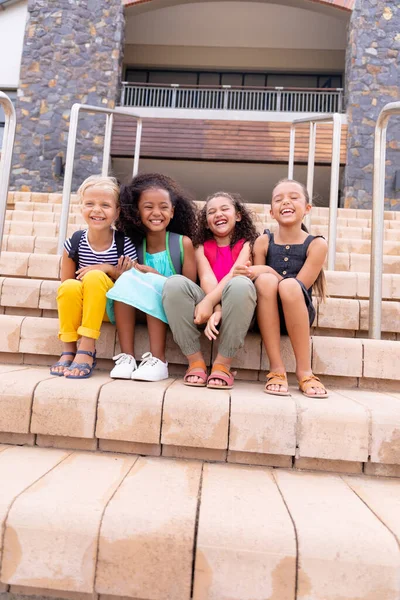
[
  {"x": 107, "y": 145},
  {"x": 311, "y": 168},
  {"x": 378, "y": 215},
  {"x": 334, "y": 191},
  {"x": 6, "y": 157},
  {"x": 137, "y": 147},
  {"x": 292, "y": 144}
]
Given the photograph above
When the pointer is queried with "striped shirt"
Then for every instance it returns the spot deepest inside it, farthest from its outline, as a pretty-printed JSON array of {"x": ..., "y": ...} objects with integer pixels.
[{"x": 88, "y": 257}]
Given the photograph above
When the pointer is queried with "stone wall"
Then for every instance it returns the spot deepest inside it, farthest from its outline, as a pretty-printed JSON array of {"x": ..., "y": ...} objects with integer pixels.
[
  {"x": 372, "y": 80},
  {"x": 73, "y": 52}
]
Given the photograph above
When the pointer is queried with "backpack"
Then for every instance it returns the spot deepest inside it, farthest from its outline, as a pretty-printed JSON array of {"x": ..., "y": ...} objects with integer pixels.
[
  {"x": 77, "y": 236},
  {"x": 174, "y": 245}
]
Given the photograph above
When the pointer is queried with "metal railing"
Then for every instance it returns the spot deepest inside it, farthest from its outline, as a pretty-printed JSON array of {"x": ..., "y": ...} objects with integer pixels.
[
  {"x": 226, "y": 97},
  {"x": 69, "y": 161},
  {"x": 378, "y": 215},
  {"x": 336, "y": 119},
  {"x": 6, "y": 156}
]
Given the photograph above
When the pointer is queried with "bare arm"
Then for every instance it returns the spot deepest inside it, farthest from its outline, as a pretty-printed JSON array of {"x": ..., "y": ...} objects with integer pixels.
[
  {"x": 316, "y": 256},
  {"x": 68, "y": 267},
  {"x": 189, "y": 268},
  {"x": 216, "y": 294},
  {"x": 260, "y": 251},
  {"x": 208, "y": 281}
]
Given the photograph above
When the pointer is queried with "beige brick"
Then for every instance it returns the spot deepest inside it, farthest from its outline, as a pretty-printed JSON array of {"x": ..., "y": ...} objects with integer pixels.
[
  {"x": 347, "y": 552},
  {"x": 184, "y": 452},
  {"x": 48, "y": 295},
  {"x": 381, "y": 470},
  {"x": 340, "y": 313},
  {"x": 287, "y": 356},
  {"x": 39, "y": 197},
  {"x": 131, "y": 411},
  {"x": 45, "y": 245},
  {"x": 130, "y": 448},
  {"x": 23, "y": 206},
  {"x": 20, "y": 243},
  {"x": 341, "y": 284},
  {"x": 395, "y": 287},
  {"x": 66, "y": 443},
  {"x": 344, "y": 213},
  {"x": 330, "y": 466},
  {"x": 151, "y": 539},
  {"x": 80, "y": 487},
  {"x": 44, "y": 216},
  {"x": 337, "y": 356},
  {"x": 14, "y": 263},
  {"x": 20, "y": 292},
  {"x": 248, "y": 357},
  {"x": 262, "y": 460},
  {"x": 334, "y": 428},
  {"x": 384, "y": 415},
  {"x": 342, "y": 262},
  {"x": 17, "y": 439},
  {"x": 357, "y": 246},
  {"x": 22, "y": 197},
  {"x": 195, "y": 417},
  {"x": 45, "y": 229},
  {"x": 10, "y": 197},
  {"x": 55, "y": 198},
  {"x": 363, "y": 285},
  {"x": 391, "y": 264},
  {"x": 19, "y": 592},
  {"x": 65, "y": 407},
  {"x": 43, "y": 266},
  {"x": 39, "y": 336},
  {"x": 20, "y": 215},
  {"x": 255, "y": 558},
  {"x": 381, "y": 359},
  {"x": 390, "y": 316},
  {"x": 10, "y": 333},
  {"x": 6, "y": 231},
  {"x": 260, "y": 423},
  {"x": 22, "y": 312}
]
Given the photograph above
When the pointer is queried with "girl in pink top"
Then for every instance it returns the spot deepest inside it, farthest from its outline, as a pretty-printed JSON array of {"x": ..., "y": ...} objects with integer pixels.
[{"x": 225, "y": 304}]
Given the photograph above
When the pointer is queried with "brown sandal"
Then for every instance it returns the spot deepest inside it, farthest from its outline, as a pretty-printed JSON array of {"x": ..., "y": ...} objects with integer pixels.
[
  {"x": 311, "y": 381},
  {"x": 196, "y": 369},
  {"x": 277, "y": 379},
  {"x": 225, "y": 375}
]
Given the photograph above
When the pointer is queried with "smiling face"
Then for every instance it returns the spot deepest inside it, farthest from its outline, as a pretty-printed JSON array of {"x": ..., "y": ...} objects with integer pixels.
[
  {"x": 99, "y": 207},
  {"x": 222, "y": 216},
  {"x": 289, "y": 204},
  {"x": 155, "y": 209}
]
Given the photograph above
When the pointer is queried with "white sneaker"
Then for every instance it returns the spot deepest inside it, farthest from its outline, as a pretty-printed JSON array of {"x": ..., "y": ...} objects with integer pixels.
[
  {"x": 151, "y": 369},
  {"x": 125, "y": 365}
]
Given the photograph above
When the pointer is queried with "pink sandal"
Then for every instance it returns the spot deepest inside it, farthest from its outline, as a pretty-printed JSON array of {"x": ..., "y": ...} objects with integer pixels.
[
  {"x": 225, "y": 375},
  {"x": 196, "y": 369}
]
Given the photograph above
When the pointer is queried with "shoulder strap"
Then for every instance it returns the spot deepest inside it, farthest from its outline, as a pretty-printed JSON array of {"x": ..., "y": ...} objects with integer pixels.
[
  {"x": 119, "y": 242},
  {"x": 141, "y": 251},
  {"x": 174, "y": 244},
  {"x": 75, "y": 241},
  {"x": 269, "y": 234}
]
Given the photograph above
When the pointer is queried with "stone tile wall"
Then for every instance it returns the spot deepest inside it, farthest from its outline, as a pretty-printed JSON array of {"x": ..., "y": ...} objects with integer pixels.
[
  {"x": 72, "y": 52},
  {"x": 372, "y": 80}
]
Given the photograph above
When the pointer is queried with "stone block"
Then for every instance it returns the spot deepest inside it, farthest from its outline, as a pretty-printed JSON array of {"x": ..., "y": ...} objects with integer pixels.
[
  {"x": 39, "y": 197},
  {"x": 195, "y": 417},
  {"x": 342, "y": 261},
  {"x": 43, "y": 266},
  {"x": 39, "y": 336},
  {"x": 334, "y": 428},
  {"x": 44, "y": 216},
  {"x": 10, "y": 333},
  {"x": 390, "y": 316},
  {"x": 66, "y": 443},
  {"x": 20, "y": 243},
  {"x": 261, "y": 423},
  {"x": 105, "y": 345},
  {"x": 329, "y": 466},
  {"x": 55, "y": 198},
  {"x": 64, "y": 407},
  {"x": 48, "y": 295},
  {"x": 395, "y": 287},
  {"x": 381, "y": 470},
  {"x": 22, "y": 197},
  {"x": 17, "y": 439},
  {"x": 363, "y": 285},
  {"x": 20, "y": 215},
  {"x": 340, "y": 313},
  {"x": 261, "y": 460},
  {"x": 131, "y": 411},
  {"x": 22, "y": 293},
  {"x": 337, "y": 356},
  {"x": 130, "y": 448},
  {"x": 150, "y": 540},
  {"x": 14, "y": 263},
  {"x": 248, "y": 357},
  {"x": 184, "y": 452},
  {"x": 381, "y": 359},
  {"x": 252, "y": 552},
  {"x": 45, "y": 245},
  {"x": 347, "y": 552},
  {"x": 21, "y": 228},
  {"x": 45, "y": 229},
  {"x": 287, "y": 356},
  {"x": 341, "y": 284},
  {"x": 66, "y": 505}
]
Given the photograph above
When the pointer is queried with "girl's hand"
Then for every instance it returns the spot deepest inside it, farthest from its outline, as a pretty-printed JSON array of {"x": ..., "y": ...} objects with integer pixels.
[
  {"x": 203, "y": 311},
  {"x": 244, "y": 270},
  {"x": 125, "y": 263},
  {"x": 211, "y": 330},
  {"x": 105, "y": 267},
  {"x": 145, "y": 269}
]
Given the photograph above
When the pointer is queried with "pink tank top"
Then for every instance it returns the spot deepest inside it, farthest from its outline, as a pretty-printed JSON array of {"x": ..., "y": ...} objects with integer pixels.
[{"x": 221, "y": 258}]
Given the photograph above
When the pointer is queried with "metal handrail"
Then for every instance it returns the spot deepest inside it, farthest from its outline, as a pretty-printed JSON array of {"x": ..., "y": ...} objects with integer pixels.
[
  {"x": 378, "y": 215},
  {"x": 6, "y": 157},
  {"x": 69, "y": 161},
  {"x": 336, "y": 119}
]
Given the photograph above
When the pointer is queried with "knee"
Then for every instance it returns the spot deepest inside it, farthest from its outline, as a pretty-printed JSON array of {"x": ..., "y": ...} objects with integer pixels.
[
  {"x": 266, "y": 284},
  {"x": 94, "y": 278},
  {"x": 69, "y": 287},
  {"x": 173, "y": 287},
  {"x": 242, "y": 287},
  {"x": 289, "y": 290}
]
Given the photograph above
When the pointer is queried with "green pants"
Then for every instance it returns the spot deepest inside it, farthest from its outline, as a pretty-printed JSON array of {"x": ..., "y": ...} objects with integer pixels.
[{"x": 180, "y": 297}]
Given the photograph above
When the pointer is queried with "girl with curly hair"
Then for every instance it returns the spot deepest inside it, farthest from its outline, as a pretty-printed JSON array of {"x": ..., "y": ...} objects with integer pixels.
[
  {"x": 224, "y": 240},
  {"x": 161, "y": 220}
]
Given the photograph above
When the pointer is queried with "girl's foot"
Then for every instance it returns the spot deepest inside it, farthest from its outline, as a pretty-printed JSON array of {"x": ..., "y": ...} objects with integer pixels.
[
  {"x": 151, "y": 369},
  {"x": 125, "y": 365},
  {"x": 196, "y": 374},
  {"x": 221, "y": 377},
  {"x": 312, "y": 387},
  {"x": 60, "y": 366},
  {"x": 277, "y": 384},
  {"x": 83, "y": 365}
]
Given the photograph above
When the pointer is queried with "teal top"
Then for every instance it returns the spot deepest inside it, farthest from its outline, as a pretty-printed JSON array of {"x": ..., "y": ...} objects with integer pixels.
[{"x": 160, "y": 262}]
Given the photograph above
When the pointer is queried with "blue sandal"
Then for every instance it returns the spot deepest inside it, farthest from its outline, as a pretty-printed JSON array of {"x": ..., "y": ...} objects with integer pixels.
[
  {"x": 83, "y": 366},
  {"x": 61, "y": 363}
]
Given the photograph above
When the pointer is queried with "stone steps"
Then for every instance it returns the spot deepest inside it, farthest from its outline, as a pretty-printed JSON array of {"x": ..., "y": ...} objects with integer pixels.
[{"x": 154, "y": 528}]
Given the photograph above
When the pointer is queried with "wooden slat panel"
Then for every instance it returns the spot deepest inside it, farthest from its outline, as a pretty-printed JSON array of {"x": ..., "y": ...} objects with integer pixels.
[{"x": 221, "y": 140}]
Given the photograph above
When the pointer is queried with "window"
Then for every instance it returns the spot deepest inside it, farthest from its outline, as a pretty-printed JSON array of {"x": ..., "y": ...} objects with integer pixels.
[{"x": 12, "y": 94}]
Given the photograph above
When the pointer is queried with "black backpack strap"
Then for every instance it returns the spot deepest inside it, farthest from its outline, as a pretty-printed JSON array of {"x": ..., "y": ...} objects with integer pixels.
[
  {"x": 75, "y": 241},
  {"x": 175, "y": 248},
  {"x": 119, "y": 242},
  {"x": 140, "y": 253}
]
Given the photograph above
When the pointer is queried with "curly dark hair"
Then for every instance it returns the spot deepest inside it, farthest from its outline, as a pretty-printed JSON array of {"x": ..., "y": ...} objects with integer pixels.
[
  {"x": 244, "y": 229},
  {"x": 184, "y": 221}
]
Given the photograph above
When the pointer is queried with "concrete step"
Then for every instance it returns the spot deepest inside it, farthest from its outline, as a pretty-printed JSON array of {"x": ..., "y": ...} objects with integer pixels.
[
  {"x": 38, "y": 228},
  {"x": 156, "y": 529},
  {"x": 28, "y": 264}
]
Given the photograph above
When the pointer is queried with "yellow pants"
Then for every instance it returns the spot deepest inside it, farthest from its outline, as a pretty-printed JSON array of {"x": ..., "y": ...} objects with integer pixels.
[{"x": 82, "y": 306}]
